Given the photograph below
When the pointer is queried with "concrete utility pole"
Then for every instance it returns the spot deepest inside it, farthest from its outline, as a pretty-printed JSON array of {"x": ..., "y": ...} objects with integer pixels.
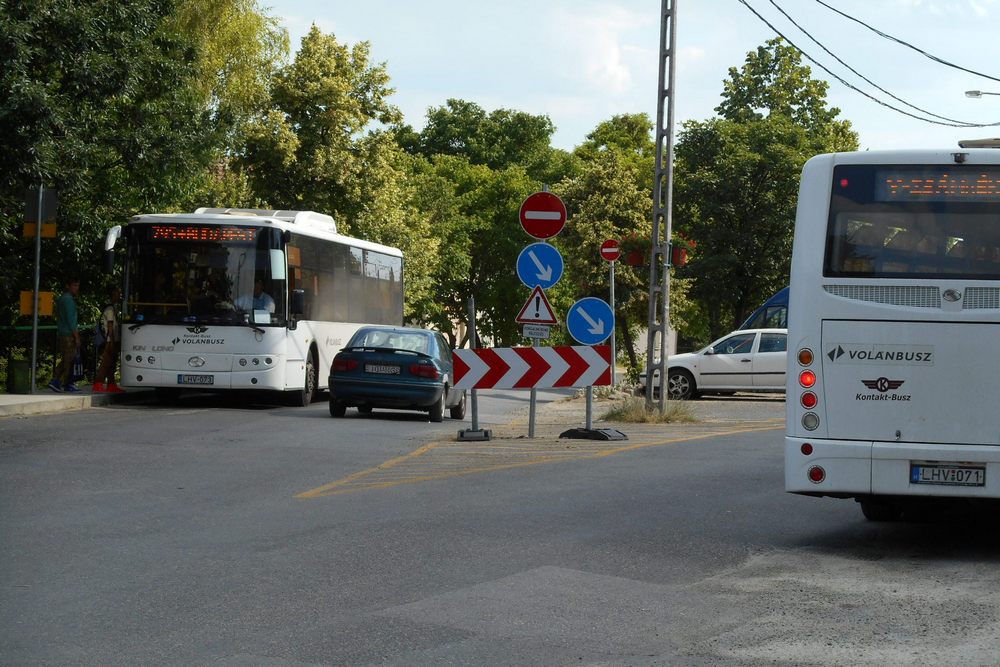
[{"x": 659, "y": 265}]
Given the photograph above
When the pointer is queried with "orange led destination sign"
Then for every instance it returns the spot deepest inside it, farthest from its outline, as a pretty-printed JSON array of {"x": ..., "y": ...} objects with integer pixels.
[
  {"x": 937, "y": 185},
  {"x": 202, "y": 233}
]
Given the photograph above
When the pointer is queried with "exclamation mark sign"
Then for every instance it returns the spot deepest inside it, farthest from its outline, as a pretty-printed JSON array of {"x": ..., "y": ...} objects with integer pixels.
[{"x": 538, "y": 306}]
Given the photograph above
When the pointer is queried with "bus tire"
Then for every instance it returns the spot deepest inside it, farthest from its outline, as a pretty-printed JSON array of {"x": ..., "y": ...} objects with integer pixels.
[
  {"x": 437, "y": 410},
  {"x": 880, "y": 511},
  {"x": 337, "y": 409},
  {"x": 303, "y": 397},
  {"x": 680, "y": 385},
  {"x": 458, "y": 411}
]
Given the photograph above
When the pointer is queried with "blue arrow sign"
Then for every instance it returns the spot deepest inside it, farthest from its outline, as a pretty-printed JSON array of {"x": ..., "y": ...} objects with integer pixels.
[
  {"x": 590, "y": 321},
  {"x": 539, "y": 265}
]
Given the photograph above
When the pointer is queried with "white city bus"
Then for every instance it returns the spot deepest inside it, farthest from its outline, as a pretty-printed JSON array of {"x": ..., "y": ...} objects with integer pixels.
[
  {"x": 894, "y": 330},
  {"x": 244, "y": 299}
]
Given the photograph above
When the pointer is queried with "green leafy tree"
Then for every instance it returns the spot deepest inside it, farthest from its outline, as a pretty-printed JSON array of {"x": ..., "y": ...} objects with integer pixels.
[
  {"x": 99, "y": 104},
  {"x": 737, "y": 180}
]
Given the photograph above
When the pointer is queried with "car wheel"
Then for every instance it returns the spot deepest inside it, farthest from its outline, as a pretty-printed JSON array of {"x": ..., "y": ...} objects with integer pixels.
[
  {"x": 365, "y": 409},
  {"x": 437, "y": 410},
  {"x": 458, "y": 411},
  {"x": 337, "y": 409},
  {"x": 680, "y": 385},
  {"x": 880, "y": 511}
]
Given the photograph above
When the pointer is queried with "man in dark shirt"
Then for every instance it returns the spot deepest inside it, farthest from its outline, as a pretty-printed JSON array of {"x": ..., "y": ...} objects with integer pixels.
[{"x": 68, "y": 333}]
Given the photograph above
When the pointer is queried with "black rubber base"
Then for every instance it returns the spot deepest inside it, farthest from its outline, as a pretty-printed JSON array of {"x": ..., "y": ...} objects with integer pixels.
[
  {"x": 480, "y": 435},
  {"x": 593, "y": 434}
]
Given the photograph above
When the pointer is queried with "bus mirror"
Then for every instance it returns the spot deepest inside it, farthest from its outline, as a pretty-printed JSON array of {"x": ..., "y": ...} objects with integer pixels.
[
  {"x": 277, "y": 264},
  {"x": 109, "y": 247},
  {"x": 297, "y": 302}
]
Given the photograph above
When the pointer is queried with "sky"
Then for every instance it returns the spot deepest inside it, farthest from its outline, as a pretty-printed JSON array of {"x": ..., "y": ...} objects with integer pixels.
[{"x": 580, "y": 62}]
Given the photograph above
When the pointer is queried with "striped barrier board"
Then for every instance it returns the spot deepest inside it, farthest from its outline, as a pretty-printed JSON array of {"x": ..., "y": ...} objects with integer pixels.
[{"x": 533, "y": 367}]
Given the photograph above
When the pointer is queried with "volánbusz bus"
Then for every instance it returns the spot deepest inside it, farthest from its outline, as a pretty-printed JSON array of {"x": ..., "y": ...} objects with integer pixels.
[
  {"x": 894, "y": 329},
  {"x": 247, "y": 299}
]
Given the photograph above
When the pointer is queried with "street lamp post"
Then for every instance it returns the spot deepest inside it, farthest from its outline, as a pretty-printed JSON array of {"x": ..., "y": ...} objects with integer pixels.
[{"x": 978, "y": 93}]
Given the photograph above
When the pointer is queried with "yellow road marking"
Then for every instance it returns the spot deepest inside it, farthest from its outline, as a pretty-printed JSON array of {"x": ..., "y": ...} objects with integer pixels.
[{"x": 444, "y": 460}]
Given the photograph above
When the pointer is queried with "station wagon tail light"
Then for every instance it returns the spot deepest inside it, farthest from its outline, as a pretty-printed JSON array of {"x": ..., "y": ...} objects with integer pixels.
[
  {"x": 344, "y": 364},
  {"x": 807, "y": 378},
  {"x": 805, "y": 356},
  {"x": 428, "y": 371}
]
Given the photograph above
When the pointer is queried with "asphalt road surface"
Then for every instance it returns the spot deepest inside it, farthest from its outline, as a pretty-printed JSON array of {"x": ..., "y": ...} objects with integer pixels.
[{"x": 219, "y": 533}]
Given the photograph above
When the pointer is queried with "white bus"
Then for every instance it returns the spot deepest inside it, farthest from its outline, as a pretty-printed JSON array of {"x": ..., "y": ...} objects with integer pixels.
[
  {"x": 894, "y": 330},
  {"x": 245, "y": 299}
]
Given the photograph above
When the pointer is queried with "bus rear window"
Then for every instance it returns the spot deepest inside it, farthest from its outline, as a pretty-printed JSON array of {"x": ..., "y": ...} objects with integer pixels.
[{"x": 943, "y": 236}]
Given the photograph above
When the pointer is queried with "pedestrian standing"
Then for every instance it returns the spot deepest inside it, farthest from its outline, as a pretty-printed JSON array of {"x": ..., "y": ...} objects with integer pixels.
[
  {"x": 104, "y": 382},
  {"x": 68, "y": 335}
]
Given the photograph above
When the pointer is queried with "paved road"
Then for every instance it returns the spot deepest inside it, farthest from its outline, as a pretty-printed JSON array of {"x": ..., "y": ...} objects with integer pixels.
[{"x": 215, "y": 533}]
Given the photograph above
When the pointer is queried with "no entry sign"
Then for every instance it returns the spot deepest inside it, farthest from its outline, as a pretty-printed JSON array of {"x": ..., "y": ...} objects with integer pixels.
[
  {"x": 542, "y": 215},
  {"x": 610, "y": 250}
]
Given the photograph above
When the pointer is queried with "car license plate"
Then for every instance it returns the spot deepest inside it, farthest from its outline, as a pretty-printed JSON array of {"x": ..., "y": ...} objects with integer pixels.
[
  {"x": 948, "y": 474},
  {"x": 195, "y": 379},
  {"x": 383, "y": 369}
]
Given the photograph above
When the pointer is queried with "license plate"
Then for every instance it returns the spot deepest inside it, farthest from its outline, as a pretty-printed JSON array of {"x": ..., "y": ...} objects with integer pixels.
[
  {"x": 383, "y": 369},
  {"x": 195, "y": 379},
  {"x": 948, "y": 474}
]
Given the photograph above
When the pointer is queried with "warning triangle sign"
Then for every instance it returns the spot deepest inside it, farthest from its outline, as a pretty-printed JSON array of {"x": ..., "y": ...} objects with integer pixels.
[{"x": 536, "y": 310}]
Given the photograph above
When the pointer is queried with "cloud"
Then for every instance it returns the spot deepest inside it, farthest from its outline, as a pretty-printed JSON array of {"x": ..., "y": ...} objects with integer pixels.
[{"x": 594, "y": 41}]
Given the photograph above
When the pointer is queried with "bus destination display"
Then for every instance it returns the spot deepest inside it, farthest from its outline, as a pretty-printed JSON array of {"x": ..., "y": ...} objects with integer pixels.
[
  {"x": 179, "y": 232},
  {"x": 937, "y": 185}
]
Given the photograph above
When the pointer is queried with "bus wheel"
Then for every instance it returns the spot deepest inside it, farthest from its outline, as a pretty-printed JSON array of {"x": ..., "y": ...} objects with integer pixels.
[
  {"x": 680, "y": 385},
  {"x": 437, "y": 410},
  {"x": 304, "y": 396},
  {"x": 880, "y": 511}
]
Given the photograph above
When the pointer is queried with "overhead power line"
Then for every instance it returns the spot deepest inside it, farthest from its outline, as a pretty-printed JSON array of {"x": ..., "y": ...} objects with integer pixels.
[
  {"x": 859, "y": 74},
  {"x": 852, "y": 86},
  {"x": 907, "y": 44}
]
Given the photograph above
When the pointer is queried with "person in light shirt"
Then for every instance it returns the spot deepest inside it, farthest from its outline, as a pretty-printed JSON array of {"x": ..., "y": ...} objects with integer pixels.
[{"x": 261, "y": 300}]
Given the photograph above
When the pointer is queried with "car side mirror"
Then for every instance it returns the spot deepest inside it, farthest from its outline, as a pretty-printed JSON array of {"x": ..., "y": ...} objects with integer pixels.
[{"x": 710, "y": 350}]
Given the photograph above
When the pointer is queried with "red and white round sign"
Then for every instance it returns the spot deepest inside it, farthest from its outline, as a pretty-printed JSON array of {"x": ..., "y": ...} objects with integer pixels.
[
  {"x": 610, "y": 250},
  {"x": 542, "y": 215}
]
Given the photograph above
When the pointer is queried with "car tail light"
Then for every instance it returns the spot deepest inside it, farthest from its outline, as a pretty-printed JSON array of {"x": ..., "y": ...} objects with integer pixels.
[
  {"x": 344, "y": 364},
  {"x": 805, "y": 356},
  {"x": 807, "y": 378},
  {"x": 816, "y": 474},
  {"x": 424, "y": 371}
]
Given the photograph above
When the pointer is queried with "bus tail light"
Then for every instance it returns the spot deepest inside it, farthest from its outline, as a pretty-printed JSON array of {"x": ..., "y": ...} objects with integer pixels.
[
  {"x": 810, "y": 421},
  {"x": 809, "y": 400},
  {"x": 343, "y": 364},
  {"x": 807, "y": 378},
  {"x": 816, "y": 474},
  {"x": 805, "y": 356},
  {"x": 807, "y": 449}
]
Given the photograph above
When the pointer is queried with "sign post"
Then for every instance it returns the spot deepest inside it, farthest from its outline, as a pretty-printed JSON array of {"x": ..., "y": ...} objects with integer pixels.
[
  {"x": 44, "y": 207},
  {"x": 610, "y": 252},
  {"x": 475, "y": 433}
]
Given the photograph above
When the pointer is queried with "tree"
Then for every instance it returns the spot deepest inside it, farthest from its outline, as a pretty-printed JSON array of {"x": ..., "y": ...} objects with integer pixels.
[
  {"x": 737, "y": 180},
  {"x": 99, "y": 104}
]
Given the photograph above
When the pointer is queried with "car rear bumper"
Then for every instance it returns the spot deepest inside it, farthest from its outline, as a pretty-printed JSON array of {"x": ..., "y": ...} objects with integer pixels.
[{"x": 375, "y": 393}]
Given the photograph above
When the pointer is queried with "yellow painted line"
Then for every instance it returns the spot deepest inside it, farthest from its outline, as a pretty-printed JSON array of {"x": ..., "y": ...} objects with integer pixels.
[{"x": 390, "y": 473}]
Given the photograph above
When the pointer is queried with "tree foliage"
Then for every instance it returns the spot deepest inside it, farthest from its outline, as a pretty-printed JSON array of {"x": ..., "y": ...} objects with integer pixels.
[{"x": 737, "y": 180}]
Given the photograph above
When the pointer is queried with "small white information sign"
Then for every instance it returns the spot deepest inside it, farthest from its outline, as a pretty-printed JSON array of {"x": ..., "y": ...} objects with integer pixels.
[{"x": 537, "y": 331}]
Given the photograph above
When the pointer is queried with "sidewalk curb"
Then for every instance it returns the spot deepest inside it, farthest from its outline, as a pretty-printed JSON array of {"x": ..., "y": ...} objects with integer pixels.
[{"x": 43, "y": 402}]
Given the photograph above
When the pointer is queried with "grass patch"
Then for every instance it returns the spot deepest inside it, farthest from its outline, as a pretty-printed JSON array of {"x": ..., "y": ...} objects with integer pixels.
[{"x": 633, "y": 410}]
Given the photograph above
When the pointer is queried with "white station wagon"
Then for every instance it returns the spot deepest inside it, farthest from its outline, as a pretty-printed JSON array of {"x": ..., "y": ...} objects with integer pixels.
[{"x": 748, "y": 360}]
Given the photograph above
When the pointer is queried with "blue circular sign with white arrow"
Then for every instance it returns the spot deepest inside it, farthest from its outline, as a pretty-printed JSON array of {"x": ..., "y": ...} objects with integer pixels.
[
  {"x": 539, "y": 265},
  {"x": 590, "y": 321}
]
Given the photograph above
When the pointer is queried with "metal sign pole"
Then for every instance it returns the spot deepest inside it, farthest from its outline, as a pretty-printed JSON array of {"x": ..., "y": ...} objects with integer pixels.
[
  {"x": 590, "y": 408},
  {"x": 38, "y": 280},
  {"x": 613, "y": 352},
  {"x": 473, "y": 344}
]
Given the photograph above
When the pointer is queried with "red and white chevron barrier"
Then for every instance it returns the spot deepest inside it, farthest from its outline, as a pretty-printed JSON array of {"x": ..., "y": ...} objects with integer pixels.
[{"x": 533, "y": 367}]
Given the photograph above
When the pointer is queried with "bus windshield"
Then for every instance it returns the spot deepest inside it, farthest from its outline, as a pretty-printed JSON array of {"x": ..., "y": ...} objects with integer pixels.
[{"x": 204, "y": 274}]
